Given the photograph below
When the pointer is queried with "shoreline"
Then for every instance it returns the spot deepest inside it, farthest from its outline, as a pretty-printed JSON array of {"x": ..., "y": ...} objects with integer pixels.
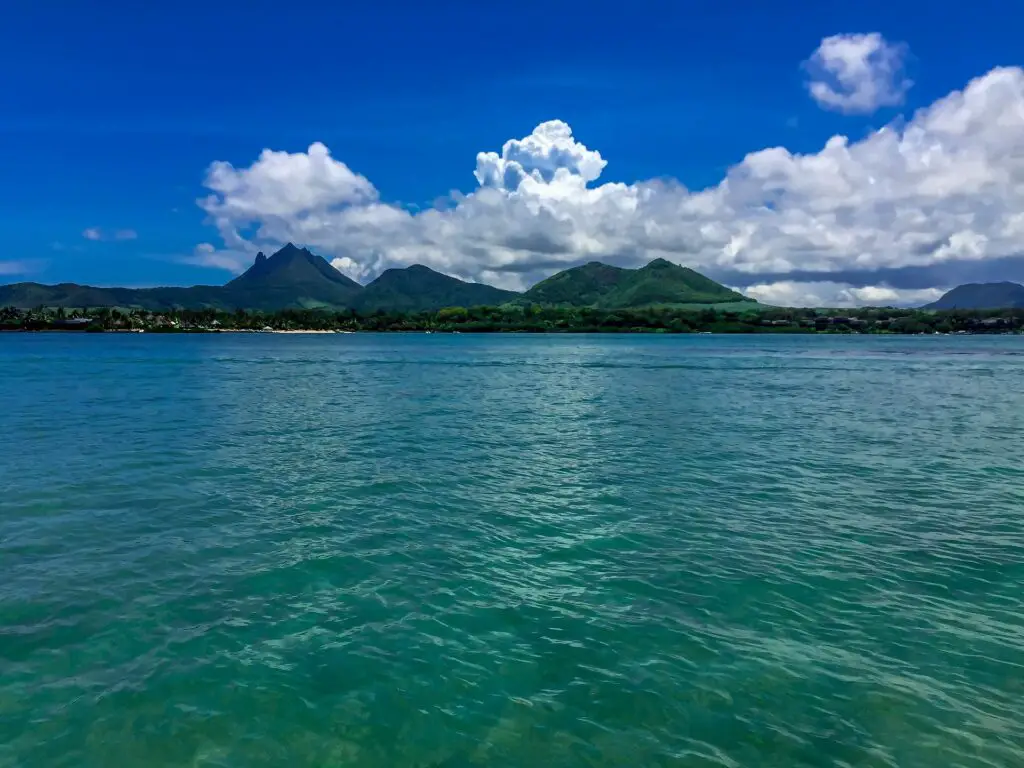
[
  {"x": 550, "y": 332},
  {"x": 249, "y": 330}
]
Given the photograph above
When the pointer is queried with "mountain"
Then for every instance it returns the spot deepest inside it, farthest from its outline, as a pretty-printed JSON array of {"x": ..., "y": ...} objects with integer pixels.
[
  {"x": 606, "y": 287},
  {"x": 981, "y": 296},
  {"x": 421, "y": 289},
  {"x": 662, "y": 282},
  {"x": 292, "y": 277},
  {"x": 580, "y": 286},
  {"x": 28, "y": 295},
  {"x": 296, "y": 278}
]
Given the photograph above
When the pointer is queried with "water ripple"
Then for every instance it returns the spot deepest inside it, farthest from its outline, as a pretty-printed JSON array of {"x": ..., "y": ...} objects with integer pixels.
[{"x": 519, "y": 551}]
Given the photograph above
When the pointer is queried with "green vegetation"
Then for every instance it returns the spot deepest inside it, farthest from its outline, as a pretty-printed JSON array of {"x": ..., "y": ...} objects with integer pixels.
[{"x": 530, "y": 318}]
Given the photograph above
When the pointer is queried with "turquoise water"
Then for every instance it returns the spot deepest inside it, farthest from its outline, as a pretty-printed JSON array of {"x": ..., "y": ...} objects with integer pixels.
[{"x": 384, "y": 550}]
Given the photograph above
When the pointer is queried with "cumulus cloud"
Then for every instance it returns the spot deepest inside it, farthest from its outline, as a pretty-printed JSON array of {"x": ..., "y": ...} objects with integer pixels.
[
  {"x": 549, "y": 152},
  {"x": 97, "y": 234},
  {"x": 300, "y": 188},
  {"x": 943, "y": 190},
  {"x": 857, "y": 74}
]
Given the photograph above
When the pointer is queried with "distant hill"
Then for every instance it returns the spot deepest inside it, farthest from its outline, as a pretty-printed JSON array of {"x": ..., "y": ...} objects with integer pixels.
[
  {"x": 291, "y": 278},
  {"x": 606, "y": 287},
  {"x": 297, "y": 278},
  {"x": 421, "y": 289},
  {"x": 981, "y": 296},
  {"x": 28, "y": 295}
]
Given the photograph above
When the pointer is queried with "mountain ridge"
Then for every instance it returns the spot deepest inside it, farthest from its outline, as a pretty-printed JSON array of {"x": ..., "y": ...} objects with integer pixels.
[
  {"x": 1001, "y": 295},
  {"x": 418, "y": 288},
  {"x": 658, "y": 282},
  {"x": 294, "y": 277}
]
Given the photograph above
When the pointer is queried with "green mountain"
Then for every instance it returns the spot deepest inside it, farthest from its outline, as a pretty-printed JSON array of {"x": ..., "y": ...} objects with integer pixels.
[
  {"x": 28, "y": 295},
  {"x": 606, "y": 287},
  {"x": 981, "y": 296},
  {"x": 662, "y": 282},
  {"x": 580, "y": 286},
  {"x": 296, "y": 278},
  {"x": 292, "y": 277},
  {"x": 421, "y": 289}
]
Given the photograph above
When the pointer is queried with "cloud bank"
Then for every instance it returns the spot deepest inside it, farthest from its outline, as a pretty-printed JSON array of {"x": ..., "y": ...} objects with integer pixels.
[
  {"x": 790, "y": 293},
  {"x": 888, "y": 219}
]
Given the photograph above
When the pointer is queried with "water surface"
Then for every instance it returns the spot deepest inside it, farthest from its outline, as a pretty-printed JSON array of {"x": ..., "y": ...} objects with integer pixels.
[{"x": 390, "y": 550}]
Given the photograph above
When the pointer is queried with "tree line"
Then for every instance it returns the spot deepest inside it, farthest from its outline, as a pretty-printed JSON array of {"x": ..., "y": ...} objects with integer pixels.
[{"x": 528, "y": 318}]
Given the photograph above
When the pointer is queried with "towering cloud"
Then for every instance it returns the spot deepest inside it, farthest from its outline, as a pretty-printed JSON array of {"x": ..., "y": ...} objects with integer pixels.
[{"x": 547, "y": 155}]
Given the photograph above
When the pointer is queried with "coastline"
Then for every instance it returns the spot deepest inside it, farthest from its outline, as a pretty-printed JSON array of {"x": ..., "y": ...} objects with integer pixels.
[
  {"x": 502, "y": 332},
  {"x": 516, "y": 319},
  {"x": 250, "y": 330}
]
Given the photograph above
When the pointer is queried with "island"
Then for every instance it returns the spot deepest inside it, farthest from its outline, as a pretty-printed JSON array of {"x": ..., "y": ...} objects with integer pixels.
[{"x": 296, "y": 290}]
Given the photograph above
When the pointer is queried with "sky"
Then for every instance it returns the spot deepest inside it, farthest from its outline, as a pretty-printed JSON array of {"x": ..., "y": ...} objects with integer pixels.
[{"x": 817, "y": 154}]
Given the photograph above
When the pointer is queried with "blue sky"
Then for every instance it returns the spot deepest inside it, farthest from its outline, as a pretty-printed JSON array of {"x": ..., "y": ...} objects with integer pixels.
[{"x": 109, "y": 121}]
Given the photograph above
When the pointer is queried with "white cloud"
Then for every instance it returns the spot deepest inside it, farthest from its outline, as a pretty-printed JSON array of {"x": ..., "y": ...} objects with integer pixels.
[
  {"x": 790, "y": 293},
  {"x": 549, "y": 152},
  {"x": 347, "y": 266},
  {"x": 207, "y": 255},
  {"x": 300, "y": 188},
  {"x": 97, "y": 234},
  {"x": 880, "y": 295},
  {"x": 943, "y": 190},
  {"x": 857, "y": 73},
  {"x": 18, "y": 267}
]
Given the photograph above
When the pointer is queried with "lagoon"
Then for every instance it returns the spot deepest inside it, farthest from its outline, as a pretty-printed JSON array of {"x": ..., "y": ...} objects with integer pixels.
[{"x": 501, "y": 550}]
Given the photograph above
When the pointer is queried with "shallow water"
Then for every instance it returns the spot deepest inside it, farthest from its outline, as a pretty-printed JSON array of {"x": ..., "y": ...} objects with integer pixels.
[{"x": 390, "y": 550}]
